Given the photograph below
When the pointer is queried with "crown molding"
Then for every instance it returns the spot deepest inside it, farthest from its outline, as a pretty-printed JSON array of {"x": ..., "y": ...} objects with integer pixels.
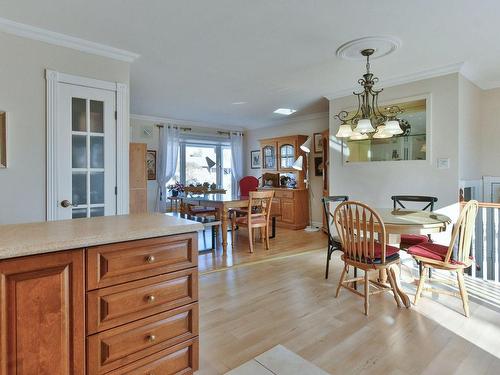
[
  {"x": 400, "y": 80},
  {"x": 62, "y": 40},
  {"x": 200, "y": 124},
  {"x": 286, "y": 120}
]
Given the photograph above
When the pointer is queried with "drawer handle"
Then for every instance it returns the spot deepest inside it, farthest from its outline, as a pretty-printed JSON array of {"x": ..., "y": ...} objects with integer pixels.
[
  {"x": 150, "y": 259},
  {"x": 151, "y": 338},
  {"x": 150, "y": 298}
]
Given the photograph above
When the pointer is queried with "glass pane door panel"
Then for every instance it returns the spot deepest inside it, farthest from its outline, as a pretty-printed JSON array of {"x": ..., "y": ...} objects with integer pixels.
[
  {"x": 79, "y": 188},
  {"x": 96, "y": 187},
  {"x": 96, "y": 116},
  {"x": 79, "y": 114},
  {"x": 96, "y": 152},
  {"x": 79, "y": 151},
  {"x": 200, "y": 165},
  {"x": 96, "y": 211},
  {"x": 78, "y": 213}
]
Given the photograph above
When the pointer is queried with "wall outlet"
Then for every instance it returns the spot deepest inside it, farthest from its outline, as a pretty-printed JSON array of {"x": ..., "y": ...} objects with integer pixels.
[{"x": 443, "y": 163}]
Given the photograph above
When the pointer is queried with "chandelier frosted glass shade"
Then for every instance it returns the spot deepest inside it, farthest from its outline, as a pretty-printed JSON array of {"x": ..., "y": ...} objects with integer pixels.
[
  {"x": 364, "y": 126},
  {"x": 345, "y": 131},
  {"x": 358, "y": 136},
  {"x": 392, "y": 127},
  {"x": 382, "y": 133}
]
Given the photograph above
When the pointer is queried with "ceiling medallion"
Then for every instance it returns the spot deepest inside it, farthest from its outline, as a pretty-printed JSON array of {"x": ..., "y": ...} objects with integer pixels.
[
  {"x": 382, "y": 46},
  {"x": 369, "y": 118}
]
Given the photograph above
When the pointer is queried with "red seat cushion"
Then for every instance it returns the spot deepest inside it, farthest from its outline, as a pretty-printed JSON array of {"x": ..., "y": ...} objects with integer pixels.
[
  {"x": 429, "y": 250},
  {"x": 389, "y": 252},
  {"x": 408, "y": 240}
]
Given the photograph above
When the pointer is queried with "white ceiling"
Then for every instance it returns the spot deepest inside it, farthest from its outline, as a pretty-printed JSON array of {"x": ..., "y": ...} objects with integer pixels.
[{"x": 199, "y": 57}]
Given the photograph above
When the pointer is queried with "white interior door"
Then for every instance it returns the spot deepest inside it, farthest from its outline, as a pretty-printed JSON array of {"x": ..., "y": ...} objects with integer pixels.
[{"x": 86, "y": 152}]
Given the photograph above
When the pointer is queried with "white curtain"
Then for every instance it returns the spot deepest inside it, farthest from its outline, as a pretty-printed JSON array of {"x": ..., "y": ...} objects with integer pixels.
[
  {"x": 168, "y": 153},
  {"x": 236, "y": 160}
]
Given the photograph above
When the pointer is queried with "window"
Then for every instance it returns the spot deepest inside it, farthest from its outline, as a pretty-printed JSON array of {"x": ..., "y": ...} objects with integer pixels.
[{"x": 204, "y": 162}]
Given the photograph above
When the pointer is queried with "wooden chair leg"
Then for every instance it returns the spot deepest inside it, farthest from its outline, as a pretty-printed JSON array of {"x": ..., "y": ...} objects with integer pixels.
[
  {"x": 421, "y": 283},
  {"x": 250, "y": 238},
  {"x": 367, "y": 293},
  {"x": 266, "y": 234},
  {"x": 342, "y": 278},
  {"x": 233, "y": 227},
  {"x": 392, "y": 282},
  {"x": 463, "y": 292}
]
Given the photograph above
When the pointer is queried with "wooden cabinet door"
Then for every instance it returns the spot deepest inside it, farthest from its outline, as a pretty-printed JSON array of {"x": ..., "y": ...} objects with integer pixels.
[
  {"x": 268, "y": 155},
  {"x": 42, "y": 314},
  {"x": 287, "y": 210},
  {"x": 138, "y": 178}
]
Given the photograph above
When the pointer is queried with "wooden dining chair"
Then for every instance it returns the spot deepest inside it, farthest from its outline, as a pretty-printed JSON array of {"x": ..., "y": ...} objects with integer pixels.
[
  {"x": 408, "y": 240},
  {"x": 256, "y": 216},
  {"x": 363, "y": 237},
  {"x": 442, "y": 257},
  {"x": 333, "y": 239}
]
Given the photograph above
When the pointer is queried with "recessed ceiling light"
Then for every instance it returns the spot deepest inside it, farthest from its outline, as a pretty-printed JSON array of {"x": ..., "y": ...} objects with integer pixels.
[
  {"x": 285, "y": 111},
  {"x": 238, "y": 103}
]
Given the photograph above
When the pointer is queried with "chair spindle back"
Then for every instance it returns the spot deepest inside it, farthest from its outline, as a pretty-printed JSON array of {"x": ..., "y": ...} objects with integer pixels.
[
  {"x": 262, "y": 200},
  {"x": 462, "y": 232},
  {"x": 360, "y": 228}
]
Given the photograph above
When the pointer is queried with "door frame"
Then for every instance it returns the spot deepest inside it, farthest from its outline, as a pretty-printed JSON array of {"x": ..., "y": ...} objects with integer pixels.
[{"x": 53, "y": 78}]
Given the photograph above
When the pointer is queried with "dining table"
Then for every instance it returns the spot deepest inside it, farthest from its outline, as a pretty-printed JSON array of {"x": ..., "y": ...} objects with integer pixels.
[
  {"x": 405, "y": 221},
  {"x": 222, "y": 203}
]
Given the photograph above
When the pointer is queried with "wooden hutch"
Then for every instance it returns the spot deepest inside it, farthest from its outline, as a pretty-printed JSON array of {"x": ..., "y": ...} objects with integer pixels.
[{"x": 291, "y": 205}]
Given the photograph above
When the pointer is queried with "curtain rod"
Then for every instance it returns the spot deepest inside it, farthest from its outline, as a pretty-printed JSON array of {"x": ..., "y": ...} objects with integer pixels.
[{"x": 175, "y": 127}]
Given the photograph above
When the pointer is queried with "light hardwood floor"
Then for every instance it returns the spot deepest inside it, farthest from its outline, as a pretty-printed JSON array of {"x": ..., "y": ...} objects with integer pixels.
[
  {"x": 247, "y": 310},
  {"x": 286, "y": 242}
]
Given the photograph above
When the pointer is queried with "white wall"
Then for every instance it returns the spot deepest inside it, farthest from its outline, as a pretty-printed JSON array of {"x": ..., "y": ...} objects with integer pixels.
[
  {"x": 22, "y": 76},
  {"x": 375, "y": 182},
  {"x": 490, "y": 133},
  {"x": 304, "y": 125},
  {"x": 469, "y": 135}
]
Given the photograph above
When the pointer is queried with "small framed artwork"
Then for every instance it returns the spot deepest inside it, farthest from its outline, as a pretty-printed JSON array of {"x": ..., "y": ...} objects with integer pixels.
[
  {"x": 318, "y": 143},
  {"x": 255, "y": 159},
  {"x": 151, "y": 164},
  {"x": 318, "y": 166}
]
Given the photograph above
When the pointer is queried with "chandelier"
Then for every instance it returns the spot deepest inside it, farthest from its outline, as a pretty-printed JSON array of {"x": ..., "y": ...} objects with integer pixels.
[{"x": 369, "y": 118}]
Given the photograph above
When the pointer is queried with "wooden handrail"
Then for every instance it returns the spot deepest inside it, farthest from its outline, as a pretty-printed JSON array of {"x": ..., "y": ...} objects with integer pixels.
[{"x": 482, "y": 204}]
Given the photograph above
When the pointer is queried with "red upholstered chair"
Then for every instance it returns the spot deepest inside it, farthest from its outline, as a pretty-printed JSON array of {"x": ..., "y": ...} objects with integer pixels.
[
  {"x": 248, "y": 184},
  {"x": 449, "y": 258},
  {"x": 408, "y": 240},
  {"x": 363, "y": 237}
]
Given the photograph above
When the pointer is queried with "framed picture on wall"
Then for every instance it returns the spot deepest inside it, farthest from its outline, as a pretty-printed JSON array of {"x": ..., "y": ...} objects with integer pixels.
[
  {"x": 318, "y": 166},
  {"x": 318, "y": 143},
  {"x": 255, "y": 159},
  {"x": 151, "y": 164}
]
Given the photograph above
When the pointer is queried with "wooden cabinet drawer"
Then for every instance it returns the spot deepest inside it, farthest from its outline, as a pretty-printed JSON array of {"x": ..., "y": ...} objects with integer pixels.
[
  {"x": 126, "y": 261},
  {"x": 177, "y": 360},
  {"x": 116, "y": 305},
  {"x": 123, "y": 345},
  {"x": 283, "y": 194}
]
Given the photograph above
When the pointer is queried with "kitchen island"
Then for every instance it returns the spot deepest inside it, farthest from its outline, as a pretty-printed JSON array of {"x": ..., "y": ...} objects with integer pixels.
[{"x": 107, "y": 295}]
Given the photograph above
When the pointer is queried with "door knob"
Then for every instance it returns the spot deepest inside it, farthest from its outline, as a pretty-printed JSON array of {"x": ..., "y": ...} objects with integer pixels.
[{"x": 66, "y": 203}]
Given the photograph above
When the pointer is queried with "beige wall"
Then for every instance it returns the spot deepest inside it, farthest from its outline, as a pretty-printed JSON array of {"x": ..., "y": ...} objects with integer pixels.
[
  {"x": 375, "y": 182},
  {"x": 490, "y": 133},
  {"x": 22, "y": 96},
  {"x": 469, "y": 135},
  {"x": 305, "y": 125}
]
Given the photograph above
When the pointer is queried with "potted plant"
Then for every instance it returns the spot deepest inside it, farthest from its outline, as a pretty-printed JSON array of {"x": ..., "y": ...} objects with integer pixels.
[{"x": 176, "y": 188}]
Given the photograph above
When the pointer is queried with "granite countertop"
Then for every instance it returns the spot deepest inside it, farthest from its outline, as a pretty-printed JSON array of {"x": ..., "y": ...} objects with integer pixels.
[{"x": 37, "y": 238}]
